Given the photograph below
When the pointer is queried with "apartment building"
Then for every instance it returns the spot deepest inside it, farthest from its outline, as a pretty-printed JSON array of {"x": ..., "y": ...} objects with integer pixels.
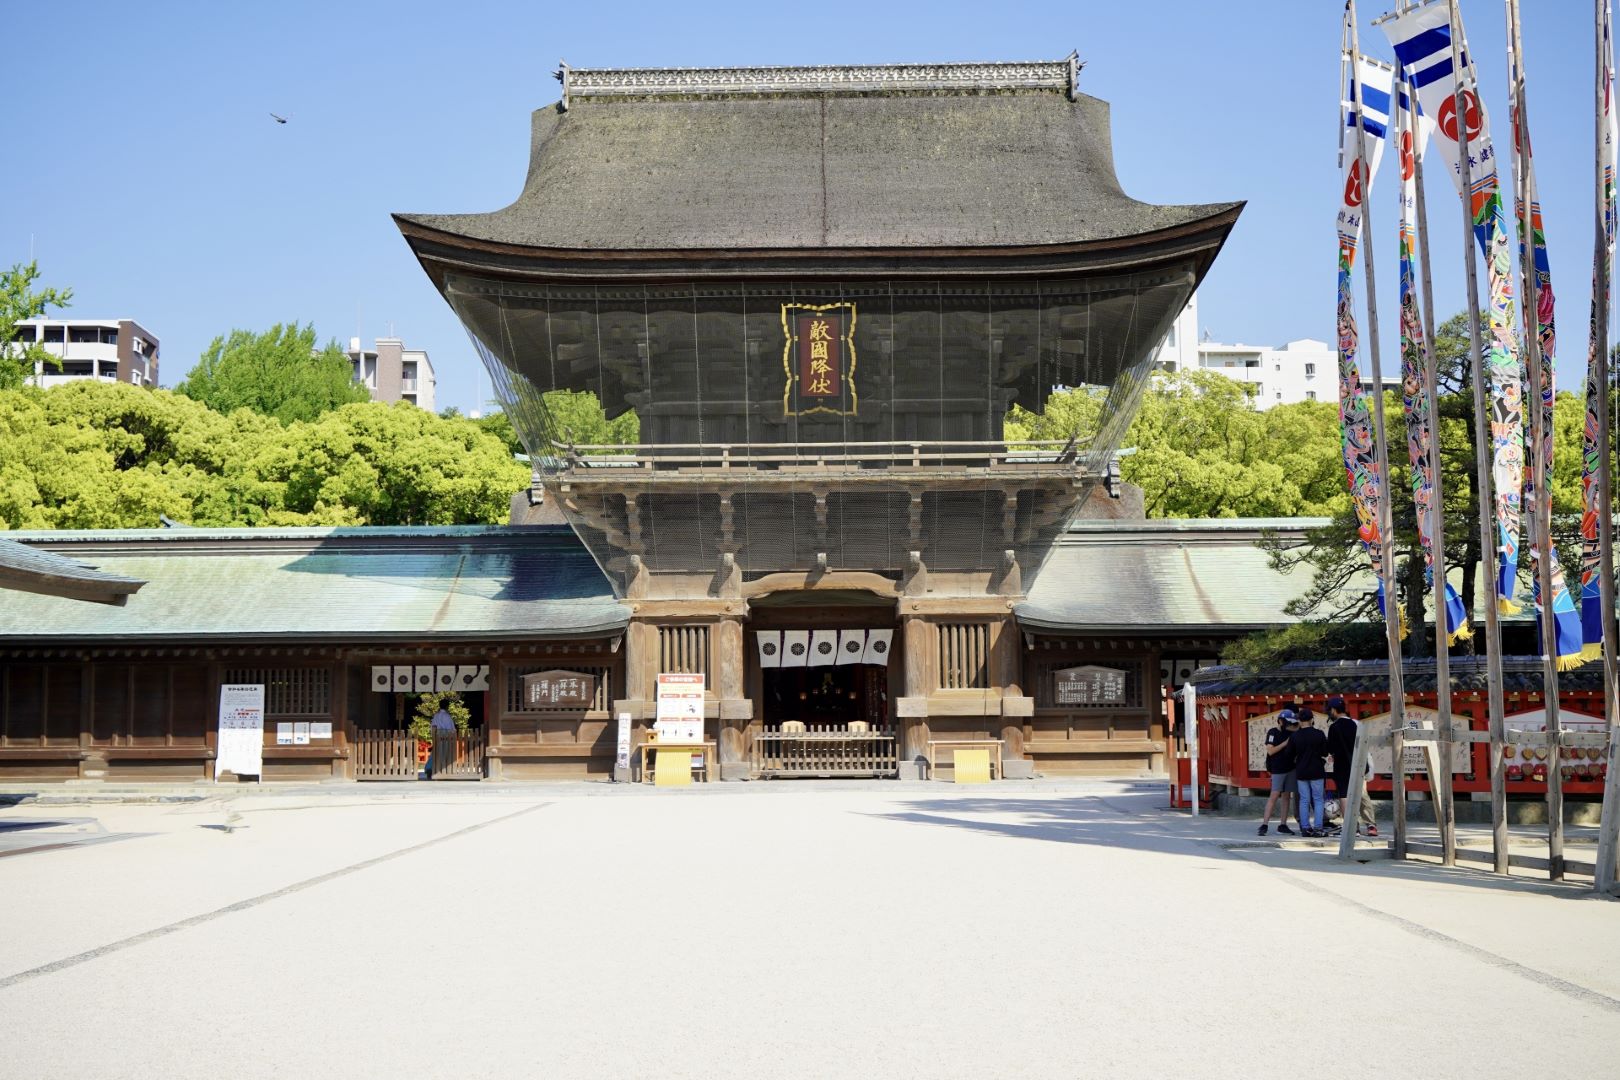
[
  {"x": 112, "y": 350},
  {"x": 1303, "y": 370},
  {"x": 394, "y": 373}
]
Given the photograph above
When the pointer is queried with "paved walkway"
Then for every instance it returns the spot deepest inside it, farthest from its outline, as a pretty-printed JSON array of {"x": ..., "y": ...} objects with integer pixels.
[{"x": 768, "y": 930}]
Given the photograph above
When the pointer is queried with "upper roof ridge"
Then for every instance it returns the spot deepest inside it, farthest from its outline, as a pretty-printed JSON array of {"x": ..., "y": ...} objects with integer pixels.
[{"x": 822, "y": 78}]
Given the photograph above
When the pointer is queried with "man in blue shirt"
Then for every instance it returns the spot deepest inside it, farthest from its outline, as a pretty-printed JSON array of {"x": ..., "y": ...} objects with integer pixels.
[{"x": 1280, "y": 764}]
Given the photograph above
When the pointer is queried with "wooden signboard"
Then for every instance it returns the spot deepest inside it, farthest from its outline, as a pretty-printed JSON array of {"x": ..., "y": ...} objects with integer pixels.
[
  {"x": 1089, "y": 685},
  {"x": 558, "y": 690}
]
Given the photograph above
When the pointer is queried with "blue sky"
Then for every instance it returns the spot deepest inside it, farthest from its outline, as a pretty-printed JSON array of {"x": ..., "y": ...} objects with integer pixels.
[{"x": 144, "y": 167}]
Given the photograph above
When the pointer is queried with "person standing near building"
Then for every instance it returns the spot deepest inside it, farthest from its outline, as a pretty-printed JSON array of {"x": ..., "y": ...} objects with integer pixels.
[
  {"x": 1280, "y": 764},
  {"x": 1341, "y": 737},
  {"x": 1310, "y": 771}
]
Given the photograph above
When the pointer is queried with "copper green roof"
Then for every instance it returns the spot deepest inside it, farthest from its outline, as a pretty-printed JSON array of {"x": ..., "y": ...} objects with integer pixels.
[
  {"x": 337, "y": 584},
  {"x": 1178, "y": 575}
]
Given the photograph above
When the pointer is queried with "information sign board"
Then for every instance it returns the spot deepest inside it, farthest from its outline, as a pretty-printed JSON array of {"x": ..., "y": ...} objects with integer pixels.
[
  {"x": 1089, "y": 685},
  {"x": 241, "y": 730},
  {"x": 558, "y": 689},
  {"x": 679, "y": 716}
]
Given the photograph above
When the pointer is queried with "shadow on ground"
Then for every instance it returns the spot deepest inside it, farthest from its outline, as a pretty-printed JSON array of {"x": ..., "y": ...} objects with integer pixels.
[{"x": 1135, "y": 820}]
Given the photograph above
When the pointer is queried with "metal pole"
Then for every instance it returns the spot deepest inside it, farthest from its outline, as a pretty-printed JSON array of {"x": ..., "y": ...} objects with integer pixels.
[
  {"x": 1386, "y": 548},
  {"x": 1482, "y": 471},
  {"x": 1540, "y": 517},
  {"x": 1609, "y": 825}
]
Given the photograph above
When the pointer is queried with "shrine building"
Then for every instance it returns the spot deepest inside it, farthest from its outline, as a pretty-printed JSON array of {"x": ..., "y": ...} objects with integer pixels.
[{"x": 820, "y": 292}]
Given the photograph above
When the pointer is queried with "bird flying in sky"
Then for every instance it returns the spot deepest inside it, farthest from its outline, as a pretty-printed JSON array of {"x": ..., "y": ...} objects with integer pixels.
[{"x": 278, "y": 119}]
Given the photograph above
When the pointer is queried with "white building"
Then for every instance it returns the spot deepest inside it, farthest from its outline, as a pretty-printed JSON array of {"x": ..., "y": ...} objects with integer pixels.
[
  {"x": 394, "y": 373},
  {"x": 111, "y": 350},
  {"x": 1303, "y": 370}
]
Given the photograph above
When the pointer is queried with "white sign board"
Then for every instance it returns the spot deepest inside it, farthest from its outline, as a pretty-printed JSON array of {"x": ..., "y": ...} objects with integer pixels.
[
  {"x": 679, "y": 717},
  {"x": 622, "y": 761},
  {"x": 1414, "y": 756},
  {"x": 241, "y": 730}
]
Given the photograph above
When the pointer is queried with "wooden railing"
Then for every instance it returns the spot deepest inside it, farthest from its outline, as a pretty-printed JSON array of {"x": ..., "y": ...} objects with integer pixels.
[
  {"x": 900, "y": 454},
  {"x": 384, "y": 755},
  {"x": 825, "y": 751}
]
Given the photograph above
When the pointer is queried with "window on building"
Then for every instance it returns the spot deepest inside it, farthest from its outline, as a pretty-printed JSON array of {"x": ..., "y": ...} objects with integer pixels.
[
  {"x": 683, "y": 649},
  {"x": 1170, "y": 338},
  {"x": 964, "y": 656},
  {"x": 1279, "y": 395},
  {"x": 109, "y": 336},
  {"x": 1278, "y": 366},
  {"x": 1310, "y": 369},
  {"x": 1310, "y": 395},
  {"x": 82, "y": 335},
  {"x": 52, "y": 333},
  {"x": 292, "y": 691},
  {"x": 1251, "y": 362}
]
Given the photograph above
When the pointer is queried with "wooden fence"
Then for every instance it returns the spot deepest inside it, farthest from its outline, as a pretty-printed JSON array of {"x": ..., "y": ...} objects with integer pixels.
[
  {"x": 384, "y": 755},
  {"x": 458, "y": 757},
  {"x": 825, "y": 751}
]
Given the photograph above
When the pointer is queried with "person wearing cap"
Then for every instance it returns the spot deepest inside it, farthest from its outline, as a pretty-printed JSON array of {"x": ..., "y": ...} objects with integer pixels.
[
  {"x": 1280, "y": 764},
  {"x": 1310, "y": 770},
  {"x": 1341, "y": 736}
]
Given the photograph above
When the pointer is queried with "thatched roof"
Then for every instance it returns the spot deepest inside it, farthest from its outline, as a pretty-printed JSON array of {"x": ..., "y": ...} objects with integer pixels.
[{"x": 665, "y": 161}]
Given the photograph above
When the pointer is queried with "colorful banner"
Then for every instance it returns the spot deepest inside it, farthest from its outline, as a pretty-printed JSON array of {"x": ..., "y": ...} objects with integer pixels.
[
  {"x": 1566, "y": 621},
  {"x": 1355, "y": 410},
  {"x": 1596, "y": 398},
  {"x": 1422, "y": 41},
  {"x": 1410, "y": 140}
]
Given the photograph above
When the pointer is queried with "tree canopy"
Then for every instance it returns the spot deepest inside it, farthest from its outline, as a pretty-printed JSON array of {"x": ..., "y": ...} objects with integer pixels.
[
  {"x": 95, "y": 455},
  {"x": 19, "y": 301},
  {"x": 279, "y": 373},
  {"x": 1199, "y": 448},
  {"x": 1341, "y": 590}
]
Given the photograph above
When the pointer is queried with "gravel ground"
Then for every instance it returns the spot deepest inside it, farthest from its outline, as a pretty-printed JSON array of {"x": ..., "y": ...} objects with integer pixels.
[{"x": 769, "y": 930}]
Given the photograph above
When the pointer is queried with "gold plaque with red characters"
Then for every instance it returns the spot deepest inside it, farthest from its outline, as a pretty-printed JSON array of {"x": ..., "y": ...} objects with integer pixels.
[{"x": 819, "y": 359}]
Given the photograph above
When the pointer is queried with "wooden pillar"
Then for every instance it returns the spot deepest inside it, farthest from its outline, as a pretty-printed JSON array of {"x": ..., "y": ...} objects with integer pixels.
[
  {"x": 727, "y": 660},
  {"x": 918, "y": 635},
  {"x": 494, "y": 707},
  {"x": 1007, "y": 674},
  {"x": 342, "y": 767}
]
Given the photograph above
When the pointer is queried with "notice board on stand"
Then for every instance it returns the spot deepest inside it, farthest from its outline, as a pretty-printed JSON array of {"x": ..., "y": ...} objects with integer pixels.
[{"x": 241, "y": 730}]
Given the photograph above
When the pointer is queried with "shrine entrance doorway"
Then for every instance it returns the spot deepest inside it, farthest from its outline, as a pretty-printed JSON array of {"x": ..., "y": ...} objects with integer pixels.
[{"x": 820, "y": 674}]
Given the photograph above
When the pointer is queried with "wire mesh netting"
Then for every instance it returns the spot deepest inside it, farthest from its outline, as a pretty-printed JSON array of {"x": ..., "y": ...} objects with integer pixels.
[{"x": 795, "y": 425}]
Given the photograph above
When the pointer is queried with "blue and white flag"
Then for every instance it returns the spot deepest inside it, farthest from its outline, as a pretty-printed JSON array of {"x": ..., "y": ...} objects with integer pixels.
[{"x": 1376, "y": 81}]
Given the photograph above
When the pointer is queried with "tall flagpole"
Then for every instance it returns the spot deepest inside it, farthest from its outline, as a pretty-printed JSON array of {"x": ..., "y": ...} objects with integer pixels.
[
  {"x": 1483, "y": 484},
  {"x": 1440, "y": 786},
  {"x": 1609, "y": 825},
  {"x": 1386, "y": 549},
  {"x": 1540, "y": 515}
]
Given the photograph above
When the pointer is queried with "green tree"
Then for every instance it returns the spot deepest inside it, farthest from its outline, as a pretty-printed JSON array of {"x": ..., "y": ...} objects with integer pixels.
[
  {"x": 1199, "y": 448},
  {"x": 576, "y": 417},
  {"x": 20, "y": 301},
  {"x": 93, "y": 455},
  {"x": 279, "y": 373},
  {"x": 374, "y": 464},
  {"x": 1342, "y": 588}
]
